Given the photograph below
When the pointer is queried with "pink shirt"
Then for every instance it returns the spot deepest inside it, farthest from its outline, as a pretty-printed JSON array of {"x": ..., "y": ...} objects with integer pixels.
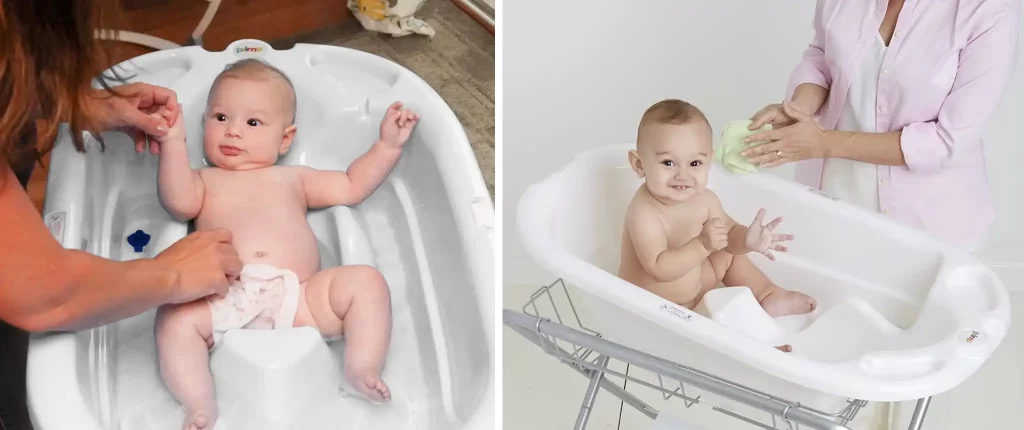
[{"x": 944, "y": 73}]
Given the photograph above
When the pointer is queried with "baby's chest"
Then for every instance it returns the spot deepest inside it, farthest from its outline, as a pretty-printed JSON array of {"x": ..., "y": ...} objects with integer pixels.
[
  {"x": 681, "y": 228},
  {"x": 252, "y": 193}
]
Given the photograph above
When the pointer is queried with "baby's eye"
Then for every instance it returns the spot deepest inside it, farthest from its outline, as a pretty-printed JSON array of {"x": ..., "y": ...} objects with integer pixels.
[
  {"x": 668, "y": 163},
  {"x": 253, "y": 122},
  {"x": 221, "y": 117},
  {"x": 696, "y": 163}
]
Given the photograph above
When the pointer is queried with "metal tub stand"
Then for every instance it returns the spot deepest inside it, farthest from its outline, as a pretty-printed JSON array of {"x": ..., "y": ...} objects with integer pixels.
[{"x": 586, "y": 352}]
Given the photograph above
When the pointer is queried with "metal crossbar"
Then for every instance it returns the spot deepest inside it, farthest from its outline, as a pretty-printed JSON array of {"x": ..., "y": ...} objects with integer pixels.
[{"x": 585, "y": 351}]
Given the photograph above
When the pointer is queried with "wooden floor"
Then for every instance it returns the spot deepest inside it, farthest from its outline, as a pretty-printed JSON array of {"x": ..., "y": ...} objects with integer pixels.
[{"x": 174, "y": 20}]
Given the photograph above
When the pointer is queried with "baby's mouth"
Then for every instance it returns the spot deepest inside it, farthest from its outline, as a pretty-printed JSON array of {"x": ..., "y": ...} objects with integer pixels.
[
  {"x": 230, "y": 150},
  {"x": 679, "y": 187}
]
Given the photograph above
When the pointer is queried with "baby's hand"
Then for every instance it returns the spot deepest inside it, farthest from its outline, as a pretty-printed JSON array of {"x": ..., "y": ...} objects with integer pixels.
[
  {"x": 715, "y": 235},
  {"x": 760, "y": 238},
  {"x": 397, "y": 125},
  {"x": 175, "y": 133}
]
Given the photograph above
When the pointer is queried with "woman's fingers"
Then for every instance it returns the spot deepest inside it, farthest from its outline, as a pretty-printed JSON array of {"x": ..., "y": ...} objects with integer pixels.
[
  {"x": 221, "y": 235},
  {"x": 761, "y": 155},
  {"x": 767, "y": 136},
  {"x": 794, "y": 113}
]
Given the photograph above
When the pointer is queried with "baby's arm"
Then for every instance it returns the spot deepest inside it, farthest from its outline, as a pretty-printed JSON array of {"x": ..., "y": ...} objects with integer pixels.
[
  {"x": 324, "y": 188},
  {"x": 650, "y": 241},
  {"x": 331, "y": 188},
  {"x": 179, "y": 187}
]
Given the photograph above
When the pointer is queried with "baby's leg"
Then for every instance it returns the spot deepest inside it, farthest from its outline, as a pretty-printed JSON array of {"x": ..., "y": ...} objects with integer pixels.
[
  {"x": 184, "y": 336},
  {"x": 354, "y": 301},
  {"x": 774, "y": 299},
  {"x": 738, "y": 270}
]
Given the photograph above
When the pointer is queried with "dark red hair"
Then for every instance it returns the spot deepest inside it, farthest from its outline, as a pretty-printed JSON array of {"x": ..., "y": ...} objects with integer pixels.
[{"x": 49, "y": 58}]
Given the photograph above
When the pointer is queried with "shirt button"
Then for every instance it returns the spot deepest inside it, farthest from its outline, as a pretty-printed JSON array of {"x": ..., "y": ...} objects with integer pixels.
[
  {"x": 881, "y": 109},
  {"x": 885, "y": 72},
  {"x": 886, "y": 212},
  {"x": 882, "y": 181}
]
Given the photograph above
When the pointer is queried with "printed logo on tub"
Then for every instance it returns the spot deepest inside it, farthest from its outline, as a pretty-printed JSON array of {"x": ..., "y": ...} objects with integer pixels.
[
  {"x": 974, "y": 335},
  {"x": 251, "y": 49},
  {"x": 676, "y": 311}
]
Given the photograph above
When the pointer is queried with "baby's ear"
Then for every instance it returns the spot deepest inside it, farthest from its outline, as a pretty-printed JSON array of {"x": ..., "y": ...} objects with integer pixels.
[
  {"x": 635, "y": 163},
  {"x": 289, "y": 137}
]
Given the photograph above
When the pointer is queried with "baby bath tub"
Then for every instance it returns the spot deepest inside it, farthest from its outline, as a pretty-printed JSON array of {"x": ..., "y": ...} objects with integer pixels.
[
  {"x": 428, "y": 229},
  {"x": 900, "y": 316}
]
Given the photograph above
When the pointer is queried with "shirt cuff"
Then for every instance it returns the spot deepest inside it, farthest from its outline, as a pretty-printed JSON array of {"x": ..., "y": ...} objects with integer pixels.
[{"x": 924, "y": 146}]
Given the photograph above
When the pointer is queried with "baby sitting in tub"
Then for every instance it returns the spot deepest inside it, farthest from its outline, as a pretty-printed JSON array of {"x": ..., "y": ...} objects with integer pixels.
[
  {"x": 677, "y": 241},
  {"x": 248, "y": 123}
]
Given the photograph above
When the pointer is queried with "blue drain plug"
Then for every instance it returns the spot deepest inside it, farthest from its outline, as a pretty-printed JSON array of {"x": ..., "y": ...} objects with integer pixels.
[{"x": 138, "y": 240}]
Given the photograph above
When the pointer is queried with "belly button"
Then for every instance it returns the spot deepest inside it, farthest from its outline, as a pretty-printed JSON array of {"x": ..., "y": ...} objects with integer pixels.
[{"x": 260, "y": 254}]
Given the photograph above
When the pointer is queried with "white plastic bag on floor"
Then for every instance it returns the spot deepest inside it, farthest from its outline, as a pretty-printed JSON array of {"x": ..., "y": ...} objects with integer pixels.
[{"x": 394, "y": 17}]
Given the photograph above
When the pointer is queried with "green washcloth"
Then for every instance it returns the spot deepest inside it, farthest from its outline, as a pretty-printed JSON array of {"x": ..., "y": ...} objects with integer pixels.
[{"x": 729, "y": 148}]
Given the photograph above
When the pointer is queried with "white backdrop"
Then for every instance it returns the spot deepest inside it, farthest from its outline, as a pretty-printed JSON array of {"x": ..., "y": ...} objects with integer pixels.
[{"x": 578, "y": 74}]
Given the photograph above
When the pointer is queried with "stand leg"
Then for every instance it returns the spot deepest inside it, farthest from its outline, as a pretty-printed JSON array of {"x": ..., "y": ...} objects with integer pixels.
[
  {"x": 917, "y": 420},
  {"x": 591, "y": 396}
]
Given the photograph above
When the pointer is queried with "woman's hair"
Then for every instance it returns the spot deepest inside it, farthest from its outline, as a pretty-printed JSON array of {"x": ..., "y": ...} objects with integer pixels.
[{"x": 49, "y": 57}]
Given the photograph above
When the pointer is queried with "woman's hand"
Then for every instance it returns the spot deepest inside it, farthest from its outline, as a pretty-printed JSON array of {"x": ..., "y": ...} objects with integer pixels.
[
  {"x": 801, "y": 140},
  {"x": 206, "y": 263},
  {"x": 773, "y": 114},
  {"x": 131, "y": 114}
]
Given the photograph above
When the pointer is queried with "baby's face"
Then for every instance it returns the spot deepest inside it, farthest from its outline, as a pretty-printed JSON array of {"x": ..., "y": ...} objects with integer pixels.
[
  {"x": 247, "y": 124},
  {"x": 674, "y": 160}
]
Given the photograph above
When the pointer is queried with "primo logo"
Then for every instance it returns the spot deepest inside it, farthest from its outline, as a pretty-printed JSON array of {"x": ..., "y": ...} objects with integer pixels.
[
  {"x": 241, "y": 49},
  {"x": 974, "y": 335}
]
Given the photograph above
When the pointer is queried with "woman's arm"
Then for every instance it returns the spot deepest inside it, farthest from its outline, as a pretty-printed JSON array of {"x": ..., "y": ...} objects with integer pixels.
[
  {"x": 986, "y": 64},
  {"x": 875, "y": 148},
  {"x": 811, "y": 79},
  {"x": 809, "y": 97},
  {"x": 45, "y": 287}
]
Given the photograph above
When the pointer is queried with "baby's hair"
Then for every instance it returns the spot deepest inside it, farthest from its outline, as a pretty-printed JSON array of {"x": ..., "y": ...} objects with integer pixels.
[
  {"x": 670, "y": 111},
  {"x": 251, "y": 68}
]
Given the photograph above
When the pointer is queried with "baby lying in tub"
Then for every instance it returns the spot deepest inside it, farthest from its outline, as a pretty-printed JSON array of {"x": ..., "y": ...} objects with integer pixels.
[
  {"x": 248, "y": 123},
  {"x": 677, "y": 241}
]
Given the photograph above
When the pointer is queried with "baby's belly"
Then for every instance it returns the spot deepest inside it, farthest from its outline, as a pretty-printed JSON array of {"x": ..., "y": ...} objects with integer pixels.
[
  {"x": 287, "y": 245},
  {"x": 682, "y": 291}
]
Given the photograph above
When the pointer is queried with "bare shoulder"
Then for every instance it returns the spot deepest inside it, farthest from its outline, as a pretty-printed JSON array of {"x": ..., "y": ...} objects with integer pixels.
[
  {"x": 291, "y": 172},
  {"x": 642, "y": 211},
  {"x": 710, "y": 199}
]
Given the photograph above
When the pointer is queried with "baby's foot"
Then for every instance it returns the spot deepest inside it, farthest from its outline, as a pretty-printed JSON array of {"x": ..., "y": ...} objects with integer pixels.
[
  {"x": 784, "y": 348},
  {"x": 198, "y": 420},
  {"x": 784, "y": 302},
  {"x": 367, "y": 384}
]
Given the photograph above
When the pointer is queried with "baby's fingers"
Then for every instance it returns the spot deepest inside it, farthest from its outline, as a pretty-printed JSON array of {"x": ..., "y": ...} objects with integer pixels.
[
  {"x": 781, "y": 237},
  {"x": 780, "y": 248}
]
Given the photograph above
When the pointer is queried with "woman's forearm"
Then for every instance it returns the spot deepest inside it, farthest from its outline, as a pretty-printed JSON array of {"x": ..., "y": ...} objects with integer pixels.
[
  {"x": 45, "y": 287},
  {"x": 808, "y": 97},
  {"x": 875, "y": 148},
  {"x": 102, "y": 291}
]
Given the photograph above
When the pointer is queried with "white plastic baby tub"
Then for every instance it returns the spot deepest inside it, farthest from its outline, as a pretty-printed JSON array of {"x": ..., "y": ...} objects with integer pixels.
[
  {"x": 428, "y": 228},
  {"x": 901, "y": 316}
]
